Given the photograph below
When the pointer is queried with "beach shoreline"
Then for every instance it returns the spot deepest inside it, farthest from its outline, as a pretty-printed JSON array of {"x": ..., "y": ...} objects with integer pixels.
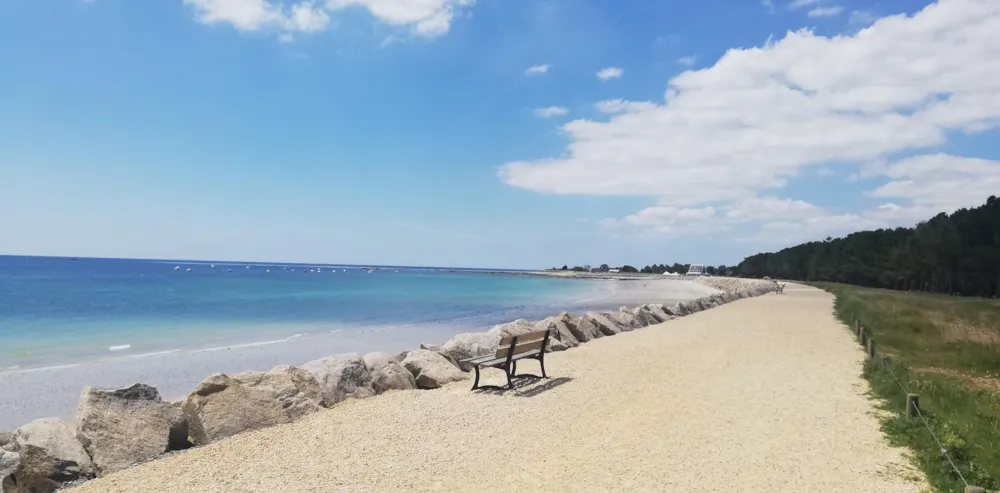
[
  {"x": 53, "y": 391},
  {"x": 735, "y": 396}
]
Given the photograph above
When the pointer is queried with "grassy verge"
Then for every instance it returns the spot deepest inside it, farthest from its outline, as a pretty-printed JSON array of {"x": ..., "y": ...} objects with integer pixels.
[{"x": 947, "y": 350}]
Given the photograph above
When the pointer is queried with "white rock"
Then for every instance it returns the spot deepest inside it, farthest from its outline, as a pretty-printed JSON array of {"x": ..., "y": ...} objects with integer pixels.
[
  {"x": 341, "y": 376},
  {"x": 430, "y": 369}
]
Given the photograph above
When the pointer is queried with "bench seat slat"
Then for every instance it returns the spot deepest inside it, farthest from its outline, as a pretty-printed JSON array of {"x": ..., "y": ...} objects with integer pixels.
[
  {"x": 526, "y": 337},
  {"x": 501, "y": 361}
]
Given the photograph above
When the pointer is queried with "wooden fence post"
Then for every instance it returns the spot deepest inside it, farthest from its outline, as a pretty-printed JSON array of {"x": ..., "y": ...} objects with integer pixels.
[
  {"x": 912, "y": 404},
  {"x": 861, "y": 337},
  {"x": 871, "y": 349}
]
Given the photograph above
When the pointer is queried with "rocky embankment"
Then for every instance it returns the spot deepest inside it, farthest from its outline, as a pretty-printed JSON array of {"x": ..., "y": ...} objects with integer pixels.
[{"x": 117, "y": 428}]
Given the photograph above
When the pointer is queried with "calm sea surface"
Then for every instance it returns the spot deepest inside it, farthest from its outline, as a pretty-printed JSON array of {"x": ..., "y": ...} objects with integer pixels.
[{"x": 56, "y": 311}]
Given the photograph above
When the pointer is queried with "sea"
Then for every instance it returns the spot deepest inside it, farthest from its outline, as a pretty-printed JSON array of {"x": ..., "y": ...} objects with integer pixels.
[{"x": 67, "y": 311}]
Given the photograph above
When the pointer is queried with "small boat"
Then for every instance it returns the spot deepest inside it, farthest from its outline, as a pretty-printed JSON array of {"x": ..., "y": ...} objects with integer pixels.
[
  {"x": 188, "y": 270},
  {"x": 212, "y": 266},
  {"x": 177, "y": 267},
  {"x": 268, "y": 270}
]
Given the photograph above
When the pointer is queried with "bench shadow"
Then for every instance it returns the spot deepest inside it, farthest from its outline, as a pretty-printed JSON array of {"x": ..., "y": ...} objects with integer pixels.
[{"x": 528, "y": 386}]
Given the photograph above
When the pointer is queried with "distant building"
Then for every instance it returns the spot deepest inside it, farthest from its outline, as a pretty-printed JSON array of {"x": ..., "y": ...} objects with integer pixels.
[
  {"x": 696, "y": 270},
  {"x": 614, "y": 271}
]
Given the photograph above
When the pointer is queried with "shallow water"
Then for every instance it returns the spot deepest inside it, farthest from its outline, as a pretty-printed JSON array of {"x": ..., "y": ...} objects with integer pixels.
[{"x": 59, "y": 311}]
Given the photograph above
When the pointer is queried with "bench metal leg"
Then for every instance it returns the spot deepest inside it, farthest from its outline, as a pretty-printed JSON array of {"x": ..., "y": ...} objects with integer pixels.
[
  {"x": 475, "y": 385},
  {"x": 510, "y": 372}
]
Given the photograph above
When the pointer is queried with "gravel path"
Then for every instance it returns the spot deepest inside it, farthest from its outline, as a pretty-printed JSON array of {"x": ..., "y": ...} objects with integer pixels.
[{"x": 759, "y": 395}]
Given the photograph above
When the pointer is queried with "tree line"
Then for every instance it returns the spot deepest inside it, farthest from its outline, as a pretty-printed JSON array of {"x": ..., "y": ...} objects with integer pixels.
[{"x": 957, "y": 254}]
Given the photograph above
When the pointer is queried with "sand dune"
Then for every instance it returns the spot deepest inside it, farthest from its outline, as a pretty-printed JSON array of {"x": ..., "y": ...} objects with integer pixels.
[{"x": 759, "y": 395}]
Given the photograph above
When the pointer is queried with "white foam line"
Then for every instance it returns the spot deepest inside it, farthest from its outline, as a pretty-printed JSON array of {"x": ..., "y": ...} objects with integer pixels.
[
  {"x": 249, "y": 344},
  {"x": 46, "y": 368},
  {"x": 143, "y": 355},
  {"x": 120, "y": 348}
]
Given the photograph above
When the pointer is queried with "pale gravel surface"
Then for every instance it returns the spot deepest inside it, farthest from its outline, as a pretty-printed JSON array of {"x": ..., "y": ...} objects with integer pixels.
[{"x": 760, "y": 395}]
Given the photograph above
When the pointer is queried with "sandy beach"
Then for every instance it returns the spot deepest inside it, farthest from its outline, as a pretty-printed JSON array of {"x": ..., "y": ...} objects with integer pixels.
[
  {"x": 758, "y": 395},
  {"x": 55, "y": 391}
]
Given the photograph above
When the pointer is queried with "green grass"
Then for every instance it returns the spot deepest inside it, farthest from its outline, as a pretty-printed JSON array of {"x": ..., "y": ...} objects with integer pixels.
[{"x": 947, "y": 350}]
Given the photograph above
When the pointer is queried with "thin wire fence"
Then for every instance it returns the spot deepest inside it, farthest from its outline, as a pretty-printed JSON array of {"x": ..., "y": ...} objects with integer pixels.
[
  {"x": 944, "y": 451},
  {"x": 916, "y": 408}
]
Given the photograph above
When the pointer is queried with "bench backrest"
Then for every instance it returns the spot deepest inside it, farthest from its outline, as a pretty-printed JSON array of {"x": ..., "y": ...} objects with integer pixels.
[{"x": 515, "y": 345}]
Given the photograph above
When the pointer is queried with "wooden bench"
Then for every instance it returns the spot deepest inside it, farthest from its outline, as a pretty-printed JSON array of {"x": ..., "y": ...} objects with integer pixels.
[{"x": 513, "y": 348}]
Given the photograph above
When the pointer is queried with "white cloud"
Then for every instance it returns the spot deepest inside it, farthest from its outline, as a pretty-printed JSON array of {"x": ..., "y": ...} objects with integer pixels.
[
  {"x": 423, "y": 17},
  {"x": 761, "y": 116},
  {"x": 798, "y": 4},
  {"x": 769, "y": 5},
  {"x": 687, "y": 60},
  {"x": 537, "y": 69},
  {"x": 825, "y": 11},
  {"x": 551, "y": 111},
  {"x": 666, "y": 221},
  {"x": 252, "y": 15},
  {"x": 622, "y": 106},
  {"x": 609, "y": 73},
  {"x": 771, "y": 208},
  {"x": 941, "y": 182}
]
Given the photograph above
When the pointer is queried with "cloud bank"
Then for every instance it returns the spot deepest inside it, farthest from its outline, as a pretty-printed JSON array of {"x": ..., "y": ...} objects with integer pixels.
[{"x": 727, "y": 138}]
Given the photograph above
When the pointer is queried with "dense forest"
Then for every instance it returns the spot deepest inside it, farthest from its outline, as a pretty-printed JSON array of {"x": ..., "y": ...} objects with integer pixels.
[{"x": 956, "y": 254}]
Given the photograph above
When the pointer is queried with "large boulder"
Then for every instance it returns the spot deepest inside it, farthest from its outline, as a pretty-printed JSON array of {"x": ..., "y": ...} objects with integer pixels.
[
  {"x": 515, "y": 328},
  {"x": 644, "y": 316},
  {"x": 607, "y": 327},
  {"x": 692, "y": 306},
  {"x": 584, "y": 329},
  {"x": 657, "y": 312},
  {"x": 10, "y": 462},
  {"x": 49, "y": 456},
  {"x": 120, "y": 427},
  {"x": 556, "y": 345},
  {"x": 439, "y": 348},
  {"x": 388, "y": 374},
  {"x": 430, "y": 369},
  {"x": 221, "y": 407},
  {"x": 295, "y": 389},
  {"x": 677, "y": 310},
  {"x": 471, "y": 345},
  {"x": 559, "y": 327},
  {"x": 634, "y": 322},
  {"x": 341, "y": 376},
  {"x": 624, "y": 319}
]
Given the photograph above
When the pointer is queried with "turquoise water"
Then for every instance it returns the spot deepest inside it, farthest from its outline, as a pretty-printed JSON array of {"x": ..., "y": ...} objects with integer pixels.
[{"x": 56, "y": 311}]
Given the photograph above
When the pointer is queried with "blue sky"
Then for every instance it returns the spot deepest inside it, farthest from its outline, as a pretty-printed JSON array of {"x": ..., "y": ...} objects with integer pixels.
[{"x": 416, "y": 131}]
